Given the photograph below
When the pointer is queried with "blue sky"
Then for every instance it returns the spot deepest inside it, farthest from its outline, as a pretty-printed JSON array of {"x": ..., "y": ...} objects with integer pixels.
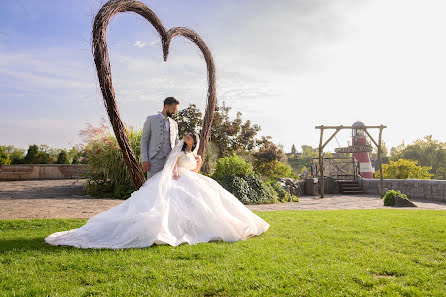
[{"x": 287, "y": 66}]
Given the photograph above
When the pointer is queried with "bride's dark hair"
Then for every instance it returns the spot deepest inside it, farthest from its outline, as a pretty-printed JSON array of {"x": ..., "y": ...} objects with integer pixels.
[{"x": 195, "y": 137}]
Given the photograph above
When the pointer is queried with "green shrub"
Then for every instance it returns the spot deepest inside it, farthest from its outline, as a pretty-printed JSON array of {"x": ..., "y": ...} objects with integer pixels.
[
  {"x": 99, "y": 188},
  {"x": 241, "y": 189},
  {"x": 389, "y": 197},
  {"x": 232, "y": 166},
  {"x": 124, "y": 192},
  {"x": 284, "y": 196},
  {"x": 264, "y": 192},
  {"x": 249, "y": 189},
  {"x": 107, "y": 172},
  {"x": 279, "y": 189}
]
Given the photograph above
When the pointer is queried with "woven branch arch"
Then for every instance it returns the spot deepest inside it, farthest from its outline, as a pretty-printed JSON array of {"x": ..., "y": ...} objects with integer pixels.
[{"x": 102, "y": 61}]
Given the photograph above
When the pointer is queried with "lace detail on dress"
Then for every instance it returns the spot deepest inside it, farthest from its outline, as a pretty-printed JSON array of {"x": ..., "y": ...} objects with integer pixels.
[{"x": 187, "y": 161}]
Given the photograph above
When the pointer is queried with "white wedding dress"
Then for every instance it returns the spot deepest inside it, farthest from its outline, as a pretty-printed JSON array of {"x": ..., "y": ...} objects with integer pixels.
[{"x": 191, "y": 209}]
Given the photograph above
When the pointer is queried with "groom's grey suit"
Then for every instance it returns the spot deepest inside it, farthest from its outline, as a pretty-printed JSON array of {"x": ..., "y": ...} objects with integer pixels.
[{"x": 159, "y": 137}]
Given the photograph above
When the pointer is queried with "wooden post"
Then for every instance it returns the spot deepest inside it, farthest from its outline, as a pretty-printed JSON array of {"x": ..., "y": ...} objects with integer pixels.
[
  {"x": 321, "y": 165},
  {"x": 381, "y": 187}
]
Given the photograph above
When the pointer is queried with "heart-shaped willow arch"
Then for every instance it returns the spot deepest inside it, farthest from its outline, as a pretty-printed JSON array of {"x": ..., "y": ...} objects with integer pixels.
[{"x": 102, "y": 61}]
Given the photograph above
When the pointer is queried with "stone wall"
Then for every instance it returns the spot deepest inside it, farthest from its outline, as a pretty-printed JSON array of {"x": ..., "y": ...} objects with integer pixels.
[
  {"x": 426, "y": 189},
  {"x": 41, "y": 171}
]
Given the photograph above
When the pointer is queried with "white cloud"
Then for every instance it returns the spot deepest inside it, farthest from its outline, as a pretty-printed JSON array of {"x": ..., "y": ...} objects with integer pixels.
[
  {"x": 315, "y": 62},
  {"x": 155, "y": 42},
  {"x": 139, "y": 44}
]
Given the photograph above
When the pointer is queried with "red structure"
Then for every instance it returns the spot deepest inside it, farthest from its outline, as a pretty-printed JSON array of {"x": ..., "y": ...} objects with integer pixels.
[{"x": 359, "y": 139}]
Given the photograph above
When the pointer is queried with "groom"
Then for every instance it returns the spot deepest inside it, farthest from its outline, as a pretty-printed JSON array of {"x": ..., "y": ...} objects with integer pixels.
[{"x": 159, "y": 136}]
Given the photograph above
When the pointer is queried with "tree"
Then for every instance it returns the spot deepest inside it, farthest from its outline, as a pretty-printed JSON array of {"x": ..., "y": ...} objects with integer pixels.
[
  {"x": 17, "y": 155},
  {"x": 427, "y": 151},
  {"x": 268, "y": 157},
  {"x": 227, "y": 135},
  {"x": 62, "y": 158},
  {"x": 188, "y": 119},
  {"x": 300, "y": 162},
  {"x": 34, "y": 156},
  {"x": 4, "y": 157},
  {"x": 403, "y": 169}
]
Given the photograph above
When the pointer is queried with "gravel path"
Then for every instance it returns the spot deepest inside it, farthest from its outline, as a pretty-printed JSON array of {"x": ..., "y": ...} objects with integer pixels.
[{"x": 66, "y": 199}]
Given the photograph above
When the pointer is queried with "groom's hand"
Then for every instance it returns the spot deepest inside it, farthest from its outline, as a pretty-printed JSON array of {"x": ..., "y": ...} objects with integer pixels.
[{"x": 146, "y": 166}]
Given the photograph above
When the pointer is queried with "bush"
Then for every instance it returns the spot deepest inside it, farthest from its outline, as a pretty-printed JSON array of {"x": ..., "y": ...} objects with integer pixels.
[
  {"x": 232, "y": 166},
  {"x": 284, "y": 196},
  {"x": 124, "y": 191},
  {"x": 389, "y": 197},
  {"x": 249, "y": 189},
  {"x": 107, "y": 172}
]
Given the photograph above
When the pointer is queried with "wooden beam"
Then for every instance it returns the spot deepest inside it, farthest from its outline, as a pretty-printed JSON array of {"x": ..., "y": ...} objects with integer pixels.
[
  {"x": 349, "y": 127},
  {"x": 367, "y": 132},
  {"x": 331, "y": 137},
  {"x": 321, "y": 165},
  {"x": 381, "y": 185}
]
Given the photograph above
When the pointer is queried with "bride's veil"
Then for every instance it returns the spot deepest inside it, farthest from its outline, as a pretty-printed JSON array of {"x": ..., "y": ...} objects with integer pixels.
[
  {"x": 166, "y": 174},
  {"x": 195, "y": 151}
]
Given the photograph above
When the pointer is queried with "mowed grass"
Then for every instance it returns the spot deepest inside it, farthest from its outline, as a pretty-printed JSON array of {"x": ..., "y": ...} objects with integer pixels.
[{"x": 387, "y": 252}]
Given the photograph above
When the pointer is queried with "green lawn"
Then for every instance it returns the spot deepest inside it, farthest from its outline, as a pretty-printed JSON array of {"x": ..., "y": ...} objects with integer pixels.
[{"x": 389, "y": 252}]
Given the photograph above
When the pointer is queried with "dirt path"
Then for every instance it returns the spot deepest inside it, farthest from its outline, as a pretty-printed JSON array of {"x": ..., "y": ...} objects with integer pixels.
[{"x": 65, "y": 199}]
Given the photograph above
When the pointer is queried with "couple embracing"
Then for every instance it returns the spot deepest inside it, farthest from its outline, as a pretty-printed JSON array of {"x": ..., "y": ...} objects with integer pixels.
[
  {"x": 175, "y": 205},
  {"x": 159, "y": 137}
]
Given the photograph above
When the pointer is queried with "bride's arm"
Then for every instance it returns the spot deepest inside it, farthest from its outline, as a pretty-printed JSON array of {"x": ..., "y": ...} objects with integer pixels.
[{"x": 199, "y": 163}]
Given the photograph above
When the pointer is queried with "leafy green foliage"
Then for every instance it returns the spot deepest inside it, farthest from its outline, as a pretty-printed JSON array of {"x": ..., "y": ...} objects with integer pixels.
[
  {"x": 403, "y": 169},
  {"x": 267, "y": 160},
  {"x": 124, "y": 191},
  {"x": 427, "y": 151},
  {"x": 389, "y": 197},
  {"x": 188, "y": 119},
  {"x": 4, "y": 157},
  {"x": 107, "y": 172},
  {"x": 249, "y": 189},
  {"x": 284, "y": 196},
  {"x": 303, "y": 160},
  {"x": 237, "y": 176},
  {"x": 36, "y": 156},
  {"x": 232, "y": 135},
  {"x": 232, "y": 166},
  {"x": 63, "y": 157}
]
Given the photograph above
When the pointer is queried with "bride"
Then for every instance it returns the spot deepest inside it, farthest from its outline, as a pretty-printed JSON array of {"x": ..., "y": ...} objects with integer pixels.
[{"x": 177, "y": 205}]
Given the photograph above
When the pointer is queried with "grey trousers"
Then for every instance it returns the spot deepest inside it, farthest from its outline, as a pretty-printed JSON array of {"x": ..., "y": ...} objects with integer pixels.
[{"x": 156, "y": 165}]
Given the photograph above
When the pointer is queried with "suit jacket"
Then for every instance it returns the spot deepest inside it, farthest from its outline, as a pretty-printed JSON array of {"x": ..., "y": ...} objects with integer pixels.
[{"x": 151, "y": 135}]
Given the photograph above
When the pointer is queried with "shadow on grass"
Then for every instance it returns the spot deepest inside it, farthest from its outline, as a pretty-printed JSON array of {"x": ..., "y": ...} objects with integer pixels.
[{"x": 39, "y": 244}]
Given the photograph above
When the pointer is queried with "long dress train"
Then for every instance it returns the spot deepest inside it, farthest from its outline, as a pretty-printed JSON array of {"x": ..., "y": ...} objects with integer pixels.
[{"x": 191, "y": 209}]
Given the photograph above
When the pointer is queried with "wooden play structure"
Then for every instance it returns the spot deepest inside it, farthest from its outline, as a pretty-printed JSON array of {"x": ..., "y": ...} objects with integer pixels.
[{"x": 350, "y": 171}]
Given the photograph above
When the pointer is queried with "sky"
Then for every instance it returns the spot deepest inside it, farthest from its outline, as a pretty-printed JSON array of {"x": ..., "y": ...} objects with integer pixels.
[{"x": 287, "y": 65}]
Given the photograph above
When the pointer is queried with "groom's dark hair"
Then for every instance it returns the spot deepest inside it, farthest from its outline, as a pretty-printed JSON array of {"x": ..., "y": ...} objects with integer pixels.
[{"x": 171, "y": 100}]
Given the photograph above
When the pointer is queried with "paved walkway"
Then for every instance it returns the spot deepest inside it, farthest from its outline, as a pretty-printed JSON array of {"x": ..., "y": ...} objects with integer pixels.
[{"x": 66, "y": 199}]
